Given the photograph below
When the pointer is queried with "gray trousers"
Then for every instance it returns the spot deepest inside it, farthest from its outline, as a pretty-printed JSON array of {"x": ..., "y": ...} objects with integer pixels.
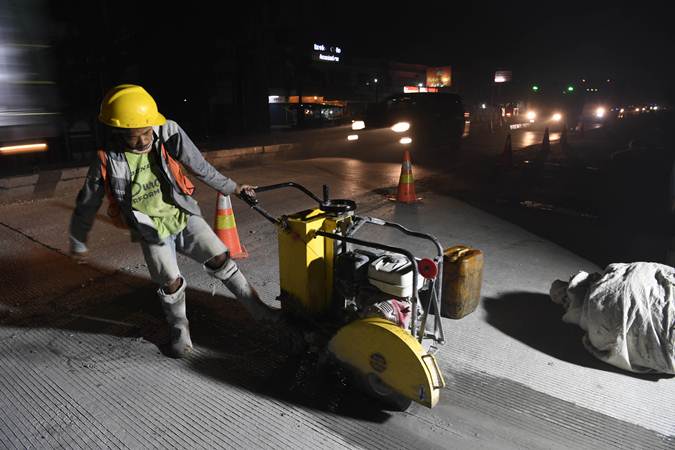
[{"x": 197, "y": 241}]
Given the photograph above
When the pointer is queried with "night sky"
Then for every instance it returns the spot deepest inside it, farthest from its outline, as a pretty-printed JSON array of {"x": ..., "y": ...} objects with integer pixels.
[{"x": 559, "y": 43}]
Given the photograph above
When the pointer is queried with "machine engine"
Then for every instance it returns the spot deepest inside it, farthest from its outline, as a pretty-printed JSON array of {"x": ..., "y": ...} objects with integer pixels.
[{"x": 376, "y": 285}]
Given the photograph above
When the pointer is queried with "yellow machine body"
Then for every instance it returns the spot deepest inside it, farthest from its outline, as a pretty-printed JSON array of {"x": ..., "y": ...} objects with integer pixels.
[
  {"x": 377, "y": 347},
  {"x": 374, "y": 348},
  {"x": 306, "y": 262}
]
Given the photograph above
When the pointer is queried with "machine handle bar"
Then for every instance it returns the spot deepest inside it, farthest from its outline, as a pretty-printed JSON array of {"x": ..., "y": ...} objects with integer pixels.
[
  {"x": 401, "y": 228},
  {"x": 289, "y": 184},
  {"x": 253, "y": 202}
]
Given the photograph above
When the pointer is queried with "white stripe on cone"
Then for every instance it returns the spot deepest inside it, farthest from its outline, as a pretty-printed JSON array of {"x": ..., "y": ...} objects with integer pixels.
[{"x": 224, "y": 201}]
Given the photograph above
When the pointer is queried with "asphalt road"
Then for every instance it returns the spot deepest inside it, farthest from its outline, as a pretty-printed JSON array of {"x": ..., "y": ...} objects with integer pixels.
[{"x": 383, "y": 144}]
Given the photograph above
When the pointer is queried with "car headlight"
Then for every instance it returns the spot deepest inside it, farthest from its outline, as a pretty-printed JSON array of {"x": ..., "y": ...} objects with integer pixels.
[
  {"x": 557, "y": 117},
  {"x": 401, "y": 127},
  {"x": 600, "y": 112},
  {"x": 405, "y": 140},
  {"x": 358, "y": 125},
  {"x": 531, "y": 115}
]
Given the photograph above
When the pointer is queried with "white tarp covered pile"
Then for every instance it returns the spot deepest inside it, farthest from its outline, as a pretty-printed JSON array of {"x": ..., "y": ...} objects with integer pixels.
[{"x": 628, "y": 313}]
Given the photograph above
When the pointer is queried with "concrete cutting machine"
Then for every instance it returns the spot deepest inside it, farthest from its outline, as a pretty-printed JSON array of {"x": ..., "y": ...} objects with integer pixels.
[{"x": 374, "y": 307}]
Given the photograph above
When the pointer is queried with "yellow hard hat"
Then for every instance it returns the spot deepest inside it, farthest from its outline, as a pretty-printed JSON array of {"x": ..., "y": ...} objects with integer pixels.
[{"x": 129, "y": 106}]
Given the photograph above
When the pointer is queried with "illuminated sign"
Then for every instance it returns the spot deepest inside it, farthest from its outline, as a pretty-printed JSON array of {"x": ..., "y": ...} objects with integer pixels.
[
  {"x": 439, "y": 76},
  {"x": 323, "y": 52},
  {"x": 411, "y": 89},
  {"x": 323, "y": 57},
  {"x": 503, "y": 76}
]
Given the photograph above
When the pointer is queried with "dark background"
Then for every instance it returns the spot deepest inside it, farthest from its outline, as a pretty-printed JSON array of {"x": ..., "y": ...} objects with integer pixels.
[{"x": 205, "y": 61}]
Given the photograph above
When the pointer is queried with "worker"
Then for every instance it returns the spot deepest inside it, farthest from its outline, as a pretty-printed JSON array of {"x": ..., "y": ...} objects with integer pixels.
[{"x": 140, "y": 170}]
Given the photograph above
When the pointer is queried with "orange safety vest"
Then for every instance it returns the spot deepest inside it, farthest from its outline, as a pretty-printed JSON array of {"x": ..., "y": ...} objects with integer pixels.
[{"x": 114, "y": 212}]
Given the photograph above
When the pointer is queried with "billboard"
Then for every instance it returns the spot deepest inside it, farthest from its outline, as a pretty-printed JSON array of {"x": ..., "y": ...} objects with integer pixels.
[
  {"x": 439, "y": 76},
  {"x": 326, "y": 53},
  {"x": 503, "y": 76}
]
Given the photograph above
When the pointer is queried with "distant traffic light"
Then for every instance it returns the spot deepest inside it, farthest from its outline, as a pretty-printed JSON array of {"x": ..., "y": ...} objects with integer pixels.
[
  {"x": 570, "y": 88},
  {"x": 535, "y": 88}
]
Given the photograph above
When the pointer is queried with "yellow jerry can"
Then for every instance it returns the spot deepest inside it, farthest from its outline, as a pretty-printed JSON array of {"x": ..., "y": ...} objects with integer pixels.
[{"x": 462, "y": 280}]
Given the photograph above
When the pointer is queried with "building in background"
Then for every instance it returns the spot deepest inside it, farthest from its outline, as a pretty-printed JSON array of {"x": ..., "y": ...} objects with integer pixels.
[{"x": 318, "y": 83}]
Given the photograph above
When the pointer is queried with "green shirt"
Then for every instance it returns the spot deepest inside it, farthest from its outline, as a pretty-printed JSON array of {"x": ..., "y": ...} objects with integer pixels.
[{"x": 148, "y": 198}]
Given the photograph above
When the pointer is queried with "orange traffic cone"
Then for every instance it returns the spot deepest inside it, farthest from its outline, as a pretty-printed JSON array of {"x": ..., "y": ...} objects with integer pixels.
[
  {"x": 226, "y": 228},
  {"x": 406, "y": 183}
]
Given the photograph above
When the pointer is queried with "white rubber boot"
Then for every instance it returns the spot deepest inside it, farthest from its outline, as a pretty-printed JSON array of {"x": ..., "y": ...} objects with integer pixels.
[
  {"x": 174, "y": 310},
  {"x": 236, "y": 282}
]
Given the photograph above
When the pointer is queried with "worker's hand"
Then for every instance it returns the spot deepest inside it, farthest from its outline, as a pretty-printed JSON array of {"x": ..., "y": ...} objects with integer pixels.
[{"x": 247, "y": 189}]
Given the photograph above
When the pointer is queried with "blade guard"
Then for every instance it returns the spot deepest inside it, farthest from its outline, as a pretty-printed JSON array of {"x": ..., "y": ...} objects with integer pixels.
[{"x": 377, "y": 346}]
